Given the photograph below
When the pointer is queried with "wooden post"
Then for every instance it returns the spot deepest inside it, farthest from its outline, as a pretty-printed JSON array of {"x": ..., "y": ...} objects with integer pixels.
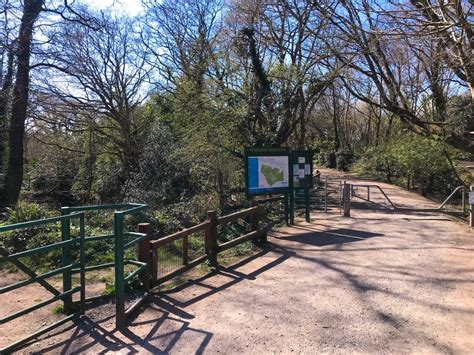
[
  {"x": 185, "y": 250},
  {"x": 346, "y": 197},
  {"x": 368, "y": 193},
  {"x": 253, "y": 219},
  {"x": 154, "y": 264},
  {"x": 144, "y": 254},
  {"x": 260, "y": 214},
  {"x": 254, "y": 225},
  {"x": 211, "y": 238},
  {"x": 471, "y": 217},
  {"x": 326, "y": 195}
]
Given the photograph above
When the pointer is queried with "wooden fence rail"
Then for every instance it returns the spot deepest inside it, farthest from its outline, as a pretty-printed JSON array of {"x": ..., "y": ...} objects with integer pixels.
[{"x": 149, "y": 248}]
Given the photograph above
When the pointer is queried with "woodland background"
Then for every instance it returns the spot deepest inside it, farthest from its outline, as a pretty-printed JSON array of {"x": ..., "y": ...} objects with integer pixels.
[{"x": 97, "y": 106}]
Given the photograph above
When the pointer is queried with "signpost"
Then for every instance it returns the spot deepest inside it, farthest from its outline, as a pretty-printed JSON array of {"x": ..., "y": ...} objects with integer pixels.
[
  {"x": 267, "y": 171},
  {"x": 278, "y": 171}
]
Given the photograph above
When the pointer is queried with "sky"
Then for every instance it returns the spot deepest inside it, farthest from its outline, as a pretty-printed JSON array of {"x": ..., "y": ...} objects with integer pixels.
[{"x": 128, "y": 7}]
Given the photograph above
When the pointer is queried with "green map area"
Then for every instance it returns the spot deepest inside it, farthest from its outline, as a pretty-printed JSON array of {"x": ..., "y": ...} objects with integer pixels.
[{"x": 273, "y": 175}]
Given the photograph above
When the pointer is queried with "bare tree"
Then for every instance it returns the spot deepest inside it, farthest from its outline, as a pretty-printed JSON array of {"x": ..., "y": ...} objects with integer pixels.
[
  {"x": 376, "y": 52},
  {"x": 283, "y": 61},
  {"x": 449, "y": 24},
  {"x": 181, "y": 36},
  {"x": 103, "y": 81}
]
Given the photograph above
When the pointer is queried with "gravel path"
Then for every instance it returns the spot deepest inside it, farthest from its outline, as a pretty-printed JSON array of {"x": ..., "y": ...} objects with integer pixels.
[{"x": 378, "y": 282}]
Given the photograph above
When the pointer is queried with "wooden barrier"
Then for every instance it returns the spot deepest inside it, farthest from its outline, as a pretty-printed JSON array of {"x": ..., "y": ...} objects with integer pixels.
[
  {"x": 346, "y": 198},
  {"x": 211, "y": 246}
]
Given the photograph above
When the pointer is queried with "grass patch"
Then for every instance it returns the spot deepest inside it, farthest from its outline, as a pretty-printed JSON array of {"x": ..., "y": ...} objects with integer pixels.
[{"x": 59, "y": 309}]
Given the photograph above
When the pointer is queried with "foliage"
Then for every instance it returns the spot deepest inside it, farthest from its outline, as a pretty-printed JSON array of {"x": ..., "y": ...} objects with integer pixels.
[
  {"x": 20, "y": 240},
  {"x": 324, "y": 153},
  {"x": 423, "y": 162},
  {"x": 344, "y": 159}
]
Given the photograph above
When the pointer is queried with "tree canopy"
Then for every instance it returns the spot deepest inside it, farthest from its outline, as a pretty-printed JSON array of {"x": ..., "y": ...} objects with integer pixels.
[{"x": 97, "y": 105}]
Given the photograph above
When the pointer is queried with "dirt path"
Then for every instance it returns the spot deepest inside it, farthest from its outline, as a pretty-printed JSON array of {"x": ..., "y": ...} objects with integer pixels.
[{"x": 378, "y": 282}]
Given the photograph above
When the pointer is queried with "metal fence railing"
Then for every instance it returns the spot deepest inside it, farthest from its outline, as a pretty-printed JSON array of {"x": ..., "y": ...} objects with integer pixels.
[
  {"x": 120, "y": 245},
  {"x": 66, "y": 269}
]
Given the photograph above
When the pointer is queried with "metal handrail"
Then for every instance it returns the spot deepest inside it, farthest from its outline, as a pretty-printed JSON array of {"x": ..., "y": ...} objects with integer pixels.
[
  {"x": 399, "y": 208},
  {"x": 380, "y": 189},
  {"x": 450, "y": 196}
]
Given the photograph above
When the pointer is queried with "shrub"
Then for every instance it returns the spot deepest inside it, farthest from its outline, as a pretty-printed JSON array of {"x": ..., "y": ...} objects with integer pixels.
[
  {"x": 344, "y": 159},
  {"x": 420, "y": 160},
  {"x": 19, "y": 240}
]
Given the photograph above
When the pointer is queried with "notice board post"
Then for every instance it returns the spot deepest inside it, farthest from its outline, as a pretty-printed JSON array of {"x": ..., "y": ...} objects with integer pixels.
[{"x": 301, "y": 179}]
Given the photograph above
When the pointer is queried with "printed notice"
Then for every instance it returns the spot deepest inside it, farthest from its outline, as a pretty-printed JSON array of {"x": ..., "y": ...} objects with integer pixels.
[{"x": 296, "y": 169}]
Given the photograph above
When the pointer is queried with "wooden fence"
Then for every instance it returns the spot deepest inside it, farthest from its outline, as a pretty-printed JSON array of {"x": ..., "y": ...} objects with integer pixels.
[{"x": 205, "y": 234}]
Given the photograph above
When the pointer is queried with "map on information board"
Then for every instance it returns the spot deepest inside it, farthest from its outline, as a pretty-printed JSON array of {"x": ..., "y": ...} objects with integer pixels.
[{"x": 267, "y": 174}]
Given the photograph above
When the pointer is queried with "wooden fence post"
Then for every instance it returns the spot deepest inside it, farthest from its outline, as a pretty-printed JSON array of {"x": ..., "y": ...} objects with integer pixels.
[
  {"x": 471, "y": 217},
  {"x": 326, "y": 195},
  {"x": 254, "y": 219},
  {"x": 211, "y": 237},
  {"x": 185, "y": 250},
  {"x": 346, "y": 197},
  {"x": 144, "y": 255}
]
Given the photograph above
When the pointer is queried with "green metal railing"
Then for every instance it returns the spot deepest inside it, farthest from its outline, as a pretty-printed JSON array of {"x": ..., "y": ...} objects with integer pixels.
[
  {"x": 121, "y": 281},
  {"x": 66, "y": 270}
]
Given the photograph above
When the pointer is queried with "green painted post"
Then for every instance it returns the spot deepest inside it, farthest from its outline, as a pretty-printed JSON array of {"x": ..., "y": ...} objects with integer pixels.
[
  {"x": 306, "y": 196},
  {"x": 82, "y": 260},
  {"x": 119, "y": 270},
  {"x": 292, "y": 206},
  {"x": 66, "y": 251},
  {"x": 287, "y": 222}
]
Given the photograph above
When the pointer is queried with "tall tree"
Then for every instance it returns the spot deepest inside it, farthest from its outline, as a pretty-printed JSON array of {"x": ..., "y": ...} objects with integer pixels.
[
  {"x": 103, "y": 81},
  {"x": 30, "y": 12},
  {"x": 376, "y": 52},
  {"x": 7, "y": 62},
  {"x": 16, "y": 132}
]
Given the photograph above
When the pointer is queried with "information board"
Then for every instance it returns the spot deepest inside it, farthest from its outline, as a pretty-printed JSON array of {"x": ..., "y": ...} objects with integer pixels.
[
  {"x": 302, "y": 169},
  {"x": 471, "y": 198},
  {"x": 267, "y": 170}
]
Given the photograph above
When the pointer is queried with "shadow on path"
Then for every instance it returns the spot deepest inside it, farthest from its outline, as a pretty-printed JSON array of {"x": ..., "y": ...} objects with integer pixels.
[{"x": 311, "y": 236}]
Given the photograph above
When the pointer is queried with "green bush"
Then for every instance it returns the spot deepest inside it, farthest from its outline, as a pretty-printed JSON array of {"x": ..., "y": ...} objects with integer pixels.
[
  {"x": 421, "y": 161},
  {"x": 325, "y": 154},
  {"x": 30, "y": 238},
  {"x": 344, "y": 159}
]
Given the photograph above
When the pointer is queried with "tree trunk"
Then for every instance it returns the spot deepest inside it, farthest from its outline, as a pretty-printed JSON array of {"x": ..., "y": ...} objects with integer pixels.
[
  {"x": 16, "y": 132},
  {"x": 335, "y": 121},
  {"x": 6, "y": 86}
]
